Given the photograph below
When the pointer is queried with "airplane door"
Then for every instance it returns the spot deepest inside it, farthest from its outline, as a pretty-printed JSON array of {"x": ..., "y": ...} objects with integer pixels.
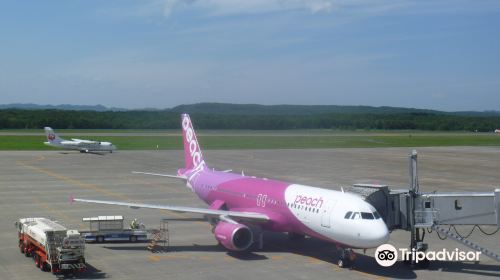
[{"x": 326, "y": 214}]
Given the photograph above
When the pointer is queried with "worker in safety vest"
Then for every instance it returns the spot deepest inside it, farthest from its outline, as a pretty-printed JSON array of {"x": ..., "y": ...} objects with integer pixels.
[{"x": 134, "y": 224}]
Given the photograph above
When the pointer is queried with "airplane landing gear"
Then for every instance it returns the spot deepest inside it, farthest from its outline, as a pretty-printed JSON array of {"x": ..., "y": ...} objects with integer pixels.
[
  {"x": 346, "y": 258},
  {"x": 295, "y": 236}
]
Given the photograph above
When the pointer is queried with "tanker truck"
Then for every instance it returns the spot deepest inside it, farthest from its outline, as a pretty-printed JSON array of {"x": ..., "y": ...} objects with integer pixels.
[{"x": 52, "y": 246}]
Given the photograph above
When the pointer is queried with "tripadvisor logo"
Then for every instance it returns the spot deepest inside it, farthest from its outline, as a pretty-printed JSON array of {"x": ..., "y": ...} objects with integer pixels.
[{"x": 387, "y": 255}]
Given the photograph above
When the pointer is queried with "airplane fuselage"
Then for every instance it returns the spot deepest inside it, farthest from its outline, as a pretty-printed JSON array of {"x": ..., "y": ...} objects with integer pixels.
[
  {"x": 82, "y": 146},
  {"x": 295, "y": 208}
]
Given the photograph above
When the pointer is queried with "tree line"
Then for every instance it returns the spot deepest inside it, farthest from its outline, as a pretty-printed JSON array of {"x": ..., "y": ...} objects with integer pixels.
[{"x": 168, "y": 119}]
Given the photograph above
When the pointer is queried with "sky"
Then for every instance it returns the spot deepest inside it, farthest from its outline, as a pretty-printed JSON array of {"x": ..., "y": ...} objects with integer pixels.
[{"x": 434, "y": 54}]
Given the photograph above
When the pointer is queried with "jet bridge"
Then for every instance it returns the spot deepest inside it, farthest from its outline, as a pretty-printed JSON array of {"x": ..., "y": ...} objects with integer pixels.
[{"x": 416, "y": 212}]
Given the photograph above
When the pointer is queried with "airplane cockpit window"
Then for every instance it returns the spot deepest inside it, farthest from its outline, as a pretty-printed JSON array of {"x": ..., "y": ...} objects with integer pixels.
[
  {"x": 355, "y": 216},
  {"x": 348, "y": 215},
  {"x": 367, "y": 216},
  {"x": 377, "y": 215}
]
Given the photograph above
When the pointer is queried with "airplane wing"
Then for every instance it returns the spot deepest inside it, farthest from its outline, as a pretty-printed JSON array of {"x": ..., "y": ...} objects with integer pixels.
[
  {"x": 209, "y": 212},
  {"x": 159, "y": 174}
]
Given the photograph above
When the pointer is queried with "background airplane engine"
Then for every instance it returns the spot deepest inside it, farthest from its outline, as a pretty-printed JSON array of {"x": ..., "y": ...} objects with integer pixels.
[{"x": 235, "y": 237}]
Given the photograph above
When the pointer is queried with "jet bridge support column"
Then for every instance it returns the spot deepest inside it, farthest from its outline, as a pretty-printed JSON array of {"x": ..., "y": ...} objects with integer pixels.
[{"x": 417, "y": 234}]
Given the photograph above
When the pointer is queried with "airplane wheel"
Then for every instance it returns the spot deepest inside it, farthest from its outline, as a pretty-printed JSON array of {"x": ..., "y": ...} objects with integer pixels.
[{"x": 344, "y": 263}]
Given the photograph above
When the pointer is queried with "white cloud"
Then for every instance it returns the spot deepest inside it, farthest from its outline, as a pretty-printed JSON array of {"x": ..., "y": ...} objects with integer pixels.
[{"x": 166, "y": 8}]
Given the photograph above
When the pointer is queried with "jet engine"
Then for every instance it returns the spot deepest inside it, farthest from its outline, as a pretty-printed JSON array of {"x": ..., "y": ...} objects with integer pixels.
[{"x": 233, "y": 236}]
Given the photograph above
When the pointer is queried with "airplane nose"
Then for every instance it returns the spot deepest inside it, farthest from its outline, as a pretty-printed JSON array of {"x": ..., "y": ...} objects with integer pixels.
[
  {"x": 380, "y": 234},
  {"x": 383, "y": 234},
  {"x": 377, "y": 235}
]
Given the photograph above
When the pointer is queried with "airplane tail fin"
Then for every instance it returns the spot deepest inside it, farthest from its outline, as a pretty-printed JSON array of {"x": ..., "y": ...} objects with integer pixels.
[
  {"x": 192, "y": 150},
  {"x": 51, "y": 135}
]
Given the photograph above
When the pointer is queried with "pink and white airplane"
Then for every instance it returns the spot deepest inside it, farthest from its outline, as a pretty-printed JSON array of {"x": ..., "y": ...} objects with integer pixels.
[{"x": 241, "y": 206}]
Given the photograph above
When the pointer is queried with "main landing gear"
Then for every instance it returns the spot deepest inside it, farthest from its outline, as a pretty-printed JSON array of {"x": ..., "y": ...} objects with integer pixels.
[{"x": 346, "y": 258}]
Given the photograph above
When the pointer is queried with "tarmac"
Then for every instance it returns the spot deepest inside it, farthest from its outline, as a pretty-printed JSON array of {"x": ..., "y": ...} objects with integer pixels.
[{"x": 40, "y": 184}]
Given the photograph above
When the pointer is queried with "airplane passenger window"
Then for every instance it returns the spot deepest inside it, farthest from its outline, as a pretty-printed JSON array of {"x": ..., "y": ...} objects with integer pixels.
[
  {"x": 348, "y": 215},
  {"x": 366, "y": 216}
]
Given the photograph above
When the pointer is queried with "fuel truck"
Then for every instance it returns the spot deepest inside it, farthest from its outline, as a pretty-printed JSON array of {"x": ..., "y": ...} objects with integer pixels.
[{"x": 52, "y": 246}]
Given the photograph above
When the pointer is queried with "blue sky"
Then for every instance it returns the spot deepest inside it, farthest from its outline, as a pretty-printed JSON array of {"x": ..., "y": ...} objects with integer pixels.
[{"x": 438, "y": 54}]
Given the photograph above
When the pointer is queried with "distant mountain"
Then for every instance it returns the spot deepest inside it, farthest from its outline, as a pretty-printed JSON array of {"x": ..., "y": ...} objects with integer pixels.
[
  {"x": 256, "y": 109},
  {"x": 31, "y": 106},
  {"x": 477, "y": 113}
]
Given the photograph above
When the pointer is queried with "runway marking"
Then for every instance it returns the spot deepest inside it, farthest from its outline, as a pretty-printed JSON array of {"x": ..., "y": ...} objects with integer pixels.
[
  {"x": 154, "y": 258},
  {"x": 83, "y": 184},
  {"x": 313, "y": 260},
  {"x": 57, "y": 212},
  {"x": 93, "y": 187},
  {"x": 74, "y": 181}
]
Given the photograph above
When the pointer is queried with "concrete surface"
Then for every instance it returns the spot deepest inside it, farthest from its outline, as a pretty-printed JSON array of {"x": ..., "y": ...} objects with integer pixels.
[{"x": 40, "y": 184}]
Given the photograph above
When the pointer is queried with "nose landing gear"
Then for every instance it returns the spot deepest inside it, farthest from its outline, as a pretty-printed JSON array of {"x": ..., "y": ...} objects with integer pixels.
[{"x": 346, "y": 258}]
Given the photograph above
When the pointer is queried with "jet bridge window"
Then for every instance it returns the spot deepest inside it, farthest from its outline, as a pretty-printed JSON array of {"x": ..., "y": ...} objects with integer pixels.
[{"x": 348, "y": 215}]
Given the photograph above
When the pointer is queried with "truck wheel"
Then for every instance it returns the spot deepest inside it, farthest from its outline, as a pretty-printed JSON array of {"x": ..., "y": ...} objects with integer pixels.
[
  {"x": 133, "y": 238},
  {"x": 100, "y": 239},
  {"x": 42, "y": 265},
  {"x": 27, "y": 252},
  {"x": 37, "y": 260}
]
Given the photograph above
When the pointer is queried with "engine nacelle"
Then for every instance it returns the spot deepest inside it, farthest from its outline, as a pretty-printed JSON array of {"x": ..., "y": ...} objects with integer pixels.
[{"x": 235, "y": 237}]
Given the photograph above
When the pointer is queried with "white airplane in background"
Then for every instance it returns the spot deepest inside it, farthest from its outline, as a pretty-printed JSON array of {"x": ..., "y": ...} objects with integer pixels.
[{"x": 84, "y": 146}]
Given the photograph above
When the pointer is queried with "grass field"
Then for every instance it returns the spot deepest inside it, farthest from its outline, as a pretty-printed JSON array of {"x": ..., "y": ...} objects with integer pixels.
[{"x": 271, "y": 141}]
